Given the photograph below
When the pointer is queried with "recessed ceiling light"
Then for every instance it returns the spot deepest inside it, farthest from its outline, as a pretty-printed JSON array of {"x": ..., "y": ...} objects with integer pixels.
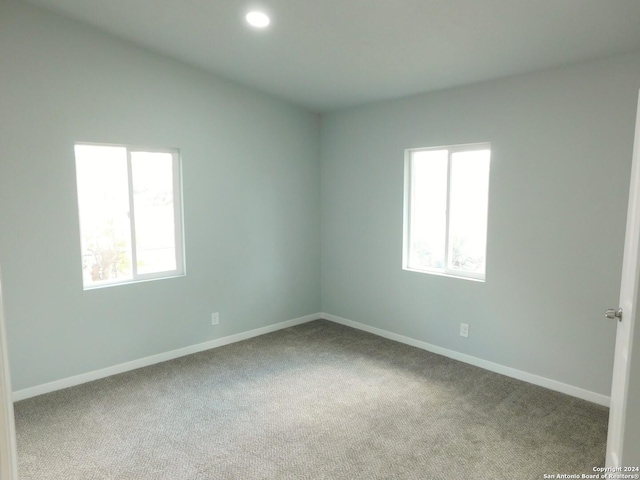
[{"x": 258, "y": 19}]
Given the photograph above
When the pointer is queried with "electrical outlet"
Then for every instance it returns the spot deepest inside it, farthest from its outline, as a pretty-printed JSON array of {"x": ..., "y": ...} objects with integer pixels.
[
  {"x": 464, "y": 329},
  {"x": 215, "y": 318}
]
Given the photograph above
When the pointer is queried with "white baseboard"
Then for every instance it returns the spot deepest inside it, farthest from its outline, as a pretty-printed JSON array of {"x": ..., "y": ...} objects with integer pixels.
[
  {"x": 153, "y": 359},
  {"x": 478, "y": 362},
  {"x": 181, "y": 352}
]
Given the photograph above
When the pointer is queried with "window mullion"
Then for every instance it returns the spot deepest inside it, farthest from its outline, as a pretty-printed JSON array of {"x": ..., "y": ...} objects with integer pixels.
[
  {"x": 411, "y": 213},
  {"x": 447, "y": 214},
  {"x": 177, "y": 212},
  {"x": 132, "y": 216}
]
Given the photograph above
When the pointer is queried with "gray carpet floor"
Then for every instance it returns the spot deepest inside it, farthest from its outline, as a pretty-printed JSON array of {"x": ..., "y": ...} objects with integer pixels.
[{"x": 316, "y": 401}]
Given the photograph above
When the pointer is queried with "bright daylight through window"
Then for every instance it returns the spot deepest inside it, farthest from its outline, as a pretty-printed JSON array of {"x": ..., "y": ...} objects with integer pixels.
[
  {"x": 446, "y": 207},
  {"x": 129, "y": 202}
]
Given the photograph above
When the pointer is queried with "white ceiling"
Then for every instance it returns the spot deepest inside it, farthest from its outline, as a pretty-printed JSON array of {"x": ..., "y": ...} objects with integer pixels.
[{"x": 328, "y": 54}]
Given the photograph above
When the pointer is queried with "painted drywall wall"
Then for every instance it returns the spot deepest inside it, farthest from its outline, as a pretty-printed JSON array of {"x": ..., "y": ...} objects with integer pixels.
[
  {"x": 250, "y": 186},
  {"x": 561, "y": 158}
]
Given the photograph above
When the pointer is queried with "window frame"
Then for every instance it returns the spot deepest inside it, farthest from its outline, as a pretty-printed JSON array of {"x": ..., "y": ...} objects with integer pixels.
[
  {"x": 178, "y": 214},
  {"x": 409, "y": 188}
]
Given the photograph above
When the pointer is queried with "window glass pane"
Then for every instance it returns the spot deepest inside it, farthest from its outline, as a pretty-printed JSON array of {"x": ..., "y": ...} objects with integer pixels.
[
  {"x": 428, "y": 213},
  {"x": 155, "y": 229},
  {"x": 469, "y": 199},
  {"x": 103, "y": 203}
]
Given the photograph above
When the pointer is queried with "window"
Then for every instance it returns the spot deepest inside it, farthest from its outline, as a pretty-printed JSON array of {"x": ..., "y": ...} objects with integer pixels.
[
  {"x": 446, "y": 205},
  {"x": 129, "y": 202}
]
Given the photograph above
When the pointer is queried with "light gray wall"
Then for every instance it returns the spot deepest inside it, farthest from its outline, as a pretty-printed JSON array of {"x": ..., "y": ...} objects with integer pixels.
[
  {"x": 251, "y": 199},
  {"x": 561, "y": 158}
]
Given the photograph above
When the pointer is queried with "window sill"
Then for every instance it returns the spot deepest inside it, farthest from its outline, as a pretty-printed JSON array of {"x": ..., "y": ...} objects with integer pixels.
[
  {"x": 130, "y": 282},
  {"x": 446, "y": 274}
]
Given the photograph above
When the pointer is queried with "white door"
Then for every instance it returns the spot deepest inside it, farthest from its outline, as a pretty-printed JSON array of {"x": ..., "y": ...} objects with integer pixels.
[
  {"x": 623, "y": 442},
  {"x": 8, "y": 456}
]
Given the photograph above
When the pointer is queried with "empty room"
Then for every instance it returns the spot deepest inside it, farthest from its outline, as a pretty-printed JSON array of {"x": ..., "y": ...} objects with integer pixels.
[{"x": 319, "y": 240}]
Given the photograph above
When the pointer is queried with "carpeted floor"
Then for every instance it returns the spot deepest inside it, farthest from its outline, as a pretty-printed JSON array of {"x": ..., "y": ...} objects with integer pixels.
[{"x": 316, "y": 401}]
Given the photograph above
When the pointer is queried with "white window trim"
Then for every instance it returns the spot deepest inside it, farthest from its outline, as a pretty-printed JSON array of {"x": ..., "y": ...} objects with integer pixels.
[
  {"x": 407, "y": 212},
  {"x": 180, "y": 269}
]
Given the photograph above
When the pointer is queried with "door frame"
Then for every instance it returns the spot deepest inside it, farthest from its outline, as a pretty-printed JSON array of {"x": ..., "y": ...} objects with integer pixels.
[{"x": 8, "y": 448}]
